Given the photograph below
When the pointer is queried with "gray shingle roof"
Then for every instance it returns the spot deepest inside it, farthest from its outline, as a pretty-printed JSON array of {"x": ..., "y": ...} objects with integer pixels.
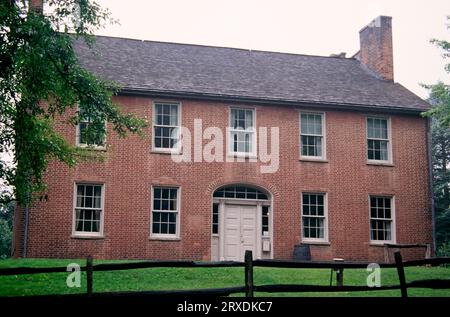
[{"x": 217, "y": 71}]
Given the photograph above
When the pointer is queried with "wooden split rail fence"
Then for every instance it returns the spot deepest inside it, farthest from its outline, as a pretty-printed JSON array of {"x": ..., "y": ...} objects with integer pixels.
[{"x": 249, "y": 288}]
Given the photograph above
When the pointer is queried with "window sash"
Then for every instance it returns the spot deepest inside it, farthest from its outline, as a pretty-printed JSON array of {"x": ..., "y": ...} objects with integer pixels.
[
  {"x": 242, "y": 128},
  {"x": 239, "y": 137},
  {"x": 315, "y": 204},
  {"x": 316, "y": 148},
  {"x": 165, "y": 212},
  {"x": 166, "y": 121},
  {"x": 319, "y": 228},
  {"x": 85, "y": 215},
  {"x": 164, "y": 223},
  {"x": 378, "y": 139},
  {"x": 242, "y": 119},
  {"x": 378, "y": 150},
  {"x": 312, "y": 135},
  {"x": 381, "y": 228}
]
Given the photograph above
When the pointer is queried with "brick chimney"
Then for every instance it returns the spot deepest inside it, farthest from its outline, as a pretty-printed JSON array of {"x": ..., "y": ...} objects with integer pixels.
[{"x": 376, "y": 47}]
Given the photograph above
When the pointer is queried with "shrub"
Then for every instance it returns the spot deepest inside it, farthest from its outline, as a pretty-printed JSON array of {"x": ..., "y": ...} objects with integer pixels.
[
  {"x": 5, "y": 239},
  {"x": 443, "y": 249}
]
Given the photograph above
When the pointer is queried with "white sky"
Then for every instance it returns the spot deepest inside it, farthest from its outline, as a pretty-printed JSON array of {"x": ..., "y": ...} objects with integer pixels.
[{"x": 316, "y": 27}]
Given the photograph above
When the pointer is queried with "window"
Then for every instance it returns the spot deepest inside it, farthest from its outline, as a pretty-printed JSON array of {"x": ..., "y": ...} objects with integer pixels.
[
  {"x": 311, "y": 138},
  {"x": 381, "y": 219},
  {"x": 265, "y": 221},
  {"x": 95, "y": 138},
  {"x": 314, "y": 217},
  {"x": 215, "y": 219},
  {"x": 239, "y": 192},
  {"x": 165, "y": 212},
  {"x": 166, "y": 124},
  {"x": 88, "y": 209},
  {"x": 242, "y": 138},
  {"x": 378, "y": 139}
]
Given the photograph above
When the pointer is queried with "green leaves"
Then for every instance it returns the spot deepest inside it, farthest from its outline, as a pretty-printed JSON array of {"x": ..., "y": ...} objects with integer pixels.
[
  {"x": 40, "y": 79},
  {"x": 440, "y": 98},
  {"x": 440, "y": 92}
]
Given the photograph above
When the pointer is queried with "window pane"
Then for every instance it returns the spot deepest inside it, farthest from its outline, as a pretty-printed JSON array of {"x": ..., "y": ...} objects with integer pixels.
[
  {"x": 89, "y": 190},
  {"x": 156, "y": 228},
  {"x": 166, "y": 109},
  {"x": 384, "y": 129},
  {"x": 249, "y": 119},
  {"x": 88, "y": 202},
  {"x": 318, "y": 125},
  {"x": 173, "y": 115},
  {"x": 304, "y": 124}
]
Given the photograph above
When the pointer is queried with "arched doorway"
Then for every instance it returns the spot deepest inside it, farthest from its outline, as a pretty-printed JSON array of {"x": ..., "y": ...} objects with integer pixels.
[{"x": 241, "y": 220}]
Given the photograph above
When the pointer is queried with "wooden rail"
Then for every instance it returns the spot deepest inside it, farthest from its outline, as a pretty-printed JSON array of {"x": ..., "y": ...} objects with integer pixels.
[{"x": 249, "y": 287}]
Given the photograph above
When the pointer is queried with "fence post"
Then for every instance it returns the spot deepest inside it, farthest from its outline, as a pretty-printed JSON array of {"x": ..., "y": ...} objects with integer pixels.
[
  {"x": 340, "y": 276},
  {"x": 401, "y": 273},
  {"x": 89, "y": 275},
  {"x": 339, "y": 273},
  {"x": 248, "y": 274}
]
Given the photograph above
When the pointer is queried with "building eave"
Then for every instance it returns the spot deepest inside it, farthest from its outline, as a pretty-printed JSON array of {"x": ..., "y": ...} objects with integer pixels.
[{"x": 128, "y": 91}]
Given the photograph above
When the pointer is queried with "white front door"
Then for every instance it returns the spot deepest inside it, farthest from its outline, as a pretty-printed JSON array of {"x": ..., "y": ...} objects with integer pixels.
[{"x": 240, "y": 231}]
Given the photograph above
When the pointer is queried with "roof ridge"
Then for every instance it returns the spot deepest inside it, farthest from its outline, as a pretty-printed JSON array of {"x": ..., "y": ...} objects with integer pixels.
[{"x": 226, "y": 47}]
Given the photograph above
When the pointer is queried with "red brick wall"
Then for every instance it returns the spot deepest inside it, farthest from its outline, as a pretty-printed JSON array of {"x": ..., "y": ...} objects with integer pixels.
[{"x": 129, "y": 170}]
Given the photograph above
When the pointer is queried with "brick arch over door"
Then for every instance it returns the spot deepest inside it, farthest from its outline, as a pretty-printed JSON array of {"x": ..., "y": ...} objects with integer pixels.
[{"x": 271, "y": 189}]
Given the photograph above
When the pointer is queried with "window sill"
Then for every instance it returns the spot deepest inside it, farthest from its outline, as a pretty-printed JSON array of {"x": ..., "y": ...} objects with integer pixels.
[
  {"x": 379, "y": 244},
  {"x": 87, "y": 237},
  {"x": 242, "y": 156},
  {"x": 92, "y": 148},
  {"x": 168, "y": 239},
  {"x": 154, "y": 151},
  {"x": 311, "y": 159},
  {"x": 381, "y": 163},
  {"x": 324, "y": 243}
]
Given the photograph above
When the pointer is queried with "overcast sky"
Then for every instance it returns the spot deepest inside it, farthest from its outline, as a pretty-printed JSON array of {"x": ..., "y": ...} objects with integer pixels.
[{"x": 316, "y": 27}]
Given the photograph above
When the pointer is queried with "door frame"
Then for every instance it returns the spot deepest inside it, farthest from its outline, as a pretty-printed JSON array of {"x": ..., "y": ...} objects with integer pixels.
[{"x": 223, "y": 202}]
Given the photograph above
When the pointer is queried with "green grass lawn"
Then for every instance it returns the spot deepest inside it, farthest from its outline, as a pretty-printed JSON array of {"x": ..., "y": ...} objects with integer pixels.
[{"x": 191, "y": 278}]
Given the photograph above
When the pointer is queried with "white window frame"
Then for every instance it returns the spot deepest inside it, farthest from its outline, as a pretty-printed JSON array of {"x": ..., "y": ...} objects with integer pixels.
[
  {"x": 389, "y": 140},
  {"x": 323, "y": 157},
  {"x": 230, "y": 131},
  {"x": 166, "y": 236},
  {"x": 82, "y": 234},
  {"x": 325, "y": 238},
  {"x": 393, "y": 222},
  {"x": 89, "y": 146},
  {"x": 177, "y": 148}
]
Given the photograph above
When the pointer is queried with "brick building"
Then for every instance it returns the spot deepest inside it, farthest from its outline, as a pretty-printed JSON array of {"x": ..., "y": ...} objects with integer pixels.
[{"x": 352, "y": 172}]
